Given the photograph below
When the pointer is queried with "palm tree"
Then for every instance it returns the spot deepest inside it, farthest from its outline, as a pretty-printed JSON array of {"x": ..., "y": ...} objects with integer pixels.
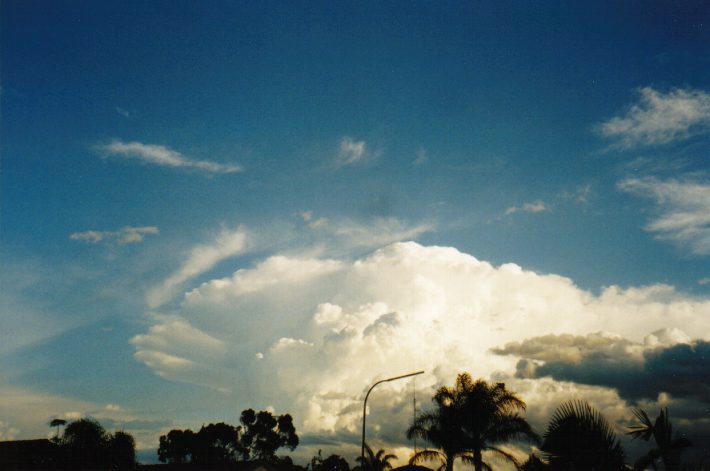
[
  {"x": 578, "y": 437},
  {"x": 375, "y": 461},
  {"x": 469, "y": 419},
  {"x": 668, "y": 449},
  {"x": 491, "y": 417},
  {"x": 442, "y": 428}
]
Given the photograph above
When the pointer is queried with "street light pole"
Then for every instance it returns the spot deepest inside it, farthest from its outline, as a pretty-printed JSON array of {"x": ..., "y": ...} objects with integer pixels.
[{"x": 364, "y": 411}]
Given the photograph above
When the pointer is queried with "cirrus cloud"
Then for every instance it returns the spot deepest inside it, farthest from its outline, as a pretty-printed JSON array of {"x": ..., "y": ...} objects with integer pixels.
[
  {"x": 123, "y": 236},
  {"x": 683, "y": 207},
  {"x": 162, "y": 156}
]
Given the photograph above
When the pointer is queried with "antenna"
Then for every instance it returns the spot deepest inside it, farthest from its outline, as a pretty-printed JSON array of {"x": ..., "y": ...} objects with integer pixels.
[{"x": 414, "y": 411}]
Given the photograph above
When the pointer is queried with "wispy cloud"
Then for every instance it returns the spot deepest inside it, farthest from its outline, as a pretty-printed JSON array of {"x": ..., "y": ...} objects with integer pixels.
[
  {"x": 352, "y": 152},
  {"x": 532, "y": 207},
  {"x": 201, "y": 259},
  {"x": 162, "y": 156},
  {"x": 421, "y": 158},
  {"x": 660, "y": 118},
  {"x": 683, "y": 210},
  {"x": 126, "y": 235},
  {"x": 125, "y": 113}
]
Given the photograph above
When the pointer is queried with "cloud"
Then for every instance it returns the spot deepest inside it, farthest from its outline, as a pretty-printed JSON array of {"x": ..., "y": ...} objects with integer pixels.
[
  {"x": 162, "y": 156},
  {"x": 125, "y": 113},
  {"x": 123, "y": 236},
  {"x": 660, "y": 118},
  {"x": 533, "y": 207},
  {"x": 352, "y": 152},
  {"x": 638, "y": 370},
  {"x": 683, "y": 208},
  {"x": 202, "y": 258},
  {"x": 378, "y": 232},
  {"x": 25, "y": 414},
  {"x": 309, "y": 334},
  {"x": 314, "y": 223},
  {"x": 422, "y": 158}
]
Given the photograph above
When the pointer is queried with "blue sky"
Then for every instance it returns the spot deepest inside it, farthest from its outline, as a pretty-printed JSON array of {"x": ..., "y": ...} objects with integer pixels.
[{"x": 152, "y": 150}]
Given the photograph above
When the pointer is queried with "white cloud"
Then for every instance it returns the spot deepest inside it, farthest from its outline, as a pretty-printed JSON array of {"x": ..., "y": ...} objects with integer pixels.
[
  {"x": 683, "y": 208},
  {"x": 162, "y": 156},
  {"x": 660, "y": 118},
  {"x": 123, "y": 236},
  {"x": 308, "y": 335},
  {"x": 352, "y": 152},
  {"x": 532, "y": 207},
  {"x": 202, "y": 258}
]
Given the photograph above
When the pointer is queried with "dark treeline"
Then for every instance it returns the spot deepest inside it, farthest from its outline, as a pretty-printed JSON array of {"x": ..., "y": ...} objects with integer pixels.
[{"x": 471, "y": 422}]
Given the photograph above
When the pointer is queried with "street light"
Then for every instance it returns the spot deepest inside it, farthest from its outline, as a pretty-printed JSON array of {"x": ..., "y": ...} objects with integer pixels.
[{"x": 364, "y": 410}]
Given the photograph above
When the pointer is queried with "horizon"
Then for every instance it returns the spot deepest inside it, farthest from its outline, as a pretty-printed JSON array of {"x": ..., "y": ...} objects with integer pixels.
[{"x": 218, "y": 206}]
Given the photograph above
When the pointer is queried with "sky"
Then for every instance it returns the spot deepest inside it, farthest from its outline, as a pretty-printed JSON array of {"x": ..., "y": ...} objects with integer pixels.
[{"x": 211, "y": 206}]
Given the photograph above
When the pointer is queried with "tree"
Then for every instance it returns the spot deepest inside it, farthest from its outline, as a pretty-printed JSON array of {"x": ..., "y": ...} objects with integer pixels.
[
  {"x": 216, "y": 444},
  {"x": 442, "y": 428},
  {"x": 469, "y": 419},
  {"x": 668, "y": 448},
  {"x": 375, "y": 461},
  {"x": 85, "y": 444},
  {"x": 122, "y": 451},
  {"x": 176, "y": 446},
  {"x": 57, "y": 423},
  {"x": 578, "y": 437},
  {"x": 263, "y": 433},
  {"x": 334, "y": 463},
  {"x": 490, "y": 417}
]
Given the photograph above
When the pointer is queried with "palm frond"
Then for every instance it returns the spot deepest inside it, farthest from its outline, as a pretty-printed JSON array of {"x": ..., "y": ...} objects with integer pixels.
[
  {"x": 643, "y": 431},
  {"x": 507, "y": 456}
]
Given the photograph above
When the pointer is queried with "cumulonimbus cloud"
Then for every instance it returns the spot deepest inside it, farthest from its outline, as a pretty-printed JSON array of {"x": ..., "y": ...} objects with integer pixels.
[
  {"x": 683, "y": 210},
  {"x": 660, "y": 118},
  {"x": 310, "y": 334},
  {"x": 162, "y": 156},
  {"x": 123, "y": 236}
]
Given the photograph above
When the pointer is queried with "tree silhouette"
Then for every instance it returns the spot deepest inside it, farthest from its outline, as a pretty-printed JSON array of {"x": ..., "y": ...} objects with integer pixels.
[
  {"x": 469, "y": 419},
  {"x": 57, "y": 423},
  {"x": 334, "y": 463},
  {"x": 263, "y": 433},
  {"x": 122, "y": 451},
  {"x": 578, "y": 437},
  {"x": 668, "y": 449},
  {"x": 176, "y": 446},
  {"x": 375, "y": 461},
  {"x": 216, "y": 444},
  {"x": 440, "y": 427},
  {"x": 85, "y": 444},
  {"x": 490, "y": 417}
]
